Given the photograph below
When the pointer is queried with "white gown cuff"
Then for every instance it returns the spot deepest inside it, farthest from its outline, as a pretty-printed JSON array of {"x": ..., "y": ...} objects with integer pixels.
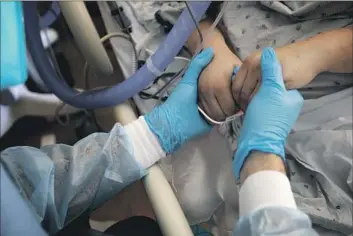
[
  {"x": 265, "y": 188},
  {"x": 147, "y": 149}
]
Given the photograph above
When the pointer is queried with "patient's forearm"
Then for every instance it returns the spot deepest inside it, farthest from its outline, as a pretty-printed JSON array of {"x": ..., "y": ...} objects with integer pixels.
[
  {"x": 216, "y": 40},
  {"x": 335, "y": 50}
]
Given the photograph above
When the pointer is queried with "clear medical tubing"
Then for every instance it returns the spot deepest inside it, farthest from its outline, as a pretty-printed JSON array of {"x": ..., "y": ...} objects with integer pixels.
[{"x": 123, "y": 91}]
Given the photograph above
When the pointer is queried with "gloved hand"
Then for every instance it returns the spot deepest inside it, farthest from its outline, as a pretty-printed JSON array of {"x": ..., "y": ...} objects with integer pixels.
[
  {"x": 270, "y": 115},
  {"x": 178, "y": 119}
]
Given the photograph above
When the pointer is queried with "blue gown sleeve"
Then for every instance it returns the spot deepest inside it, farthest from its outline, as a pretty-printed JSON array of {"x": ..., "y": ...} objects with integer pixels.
[
  {"x": 60, "y": 182},
  {"x": 275, "y": 221}
]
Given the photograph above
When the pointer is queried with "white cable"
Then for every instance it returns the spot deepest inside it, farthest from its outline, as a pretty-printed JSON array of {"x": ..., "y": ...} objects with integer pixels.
[
  {"x": 209, "y": 119},
  {"x": 86, "y": 35},
  {"x": 151, "y": 52},
  {"x": 105, "y": 38},
  {"x": 145, "y": 40}
]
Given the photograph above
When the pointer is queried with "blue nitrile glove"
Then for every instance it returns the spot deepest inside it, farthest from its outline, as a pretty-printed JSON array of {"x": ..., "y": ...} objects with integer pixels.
[
  {"x": 270, "y": 115},
  {"x": 178, "y": 119}
]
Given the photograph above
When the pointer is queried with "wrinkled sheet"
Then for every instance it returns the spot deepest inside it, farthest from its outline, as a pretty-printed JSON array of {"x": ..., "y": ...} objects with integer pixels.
[{"x": 321, "y": 152}]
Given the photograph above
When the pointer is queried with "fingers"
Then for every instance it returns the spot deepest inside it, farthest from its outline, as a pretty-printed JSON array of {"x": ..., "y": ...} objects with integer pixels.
[
  {"x": 211, "y": 106},
  {"x": 197, "y": 65},
  {"x": 215, "y": 96},
  {"x": 218, "y": 105},
  {"x": 271, "y": 70},
  {"x": 248, "y": 88},
  {"x": 227, "y": 103},
  {"x": 238, "y": 82}
]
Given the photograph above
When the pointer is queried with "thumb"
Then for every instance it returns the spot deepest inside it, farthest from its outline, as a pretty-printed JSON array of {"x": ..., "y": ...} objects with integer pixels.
[
  {"x": 197, "y": 65},
  {"x": 271, "y": 70}
]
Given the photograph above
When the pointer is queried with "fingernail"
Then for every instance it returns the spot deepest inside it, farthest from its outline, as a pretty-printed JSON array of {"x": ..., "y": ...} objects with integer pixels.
[{"x": 235, "y": 71}]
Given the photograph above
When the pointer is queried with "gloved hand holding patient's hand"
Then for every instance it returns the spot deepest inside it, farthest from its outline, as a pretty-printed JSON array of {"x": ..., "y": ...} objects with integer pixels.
[
  {"x": 178, "y": 119},
  {"x": 270, "y": 115},
  {"x": 300, "y": 65}
]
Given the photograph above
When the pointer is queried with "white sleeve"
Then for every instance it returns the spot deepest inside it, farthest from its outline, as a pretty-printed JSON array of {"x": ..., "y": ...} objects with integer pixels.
[
  {"x": 147, "y": 149},
  {"x": 265, "y": 188}
]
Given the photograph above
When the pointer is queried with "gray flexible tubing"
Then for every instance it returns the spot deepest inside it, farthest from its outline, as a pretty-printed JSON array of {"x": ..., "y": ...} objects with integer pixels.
[
  {"x": 86, "y": 36},
  {"x": 155, "y": 65}
]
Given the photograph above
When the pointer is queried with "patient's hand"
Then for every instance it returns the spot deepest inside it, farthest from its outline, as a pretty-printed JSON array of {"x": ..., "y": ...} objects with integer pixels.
[
  {"x": 215, "y": 94},
  {"x": 299, "y": 67}
]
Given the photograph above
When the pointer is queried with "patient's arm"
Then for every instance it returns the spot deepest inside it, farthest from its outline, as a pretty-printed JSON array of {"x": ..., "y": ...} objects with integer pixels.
[
  {"x": 301, "y": 62},
  {"x": 337, "y": 49}
]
